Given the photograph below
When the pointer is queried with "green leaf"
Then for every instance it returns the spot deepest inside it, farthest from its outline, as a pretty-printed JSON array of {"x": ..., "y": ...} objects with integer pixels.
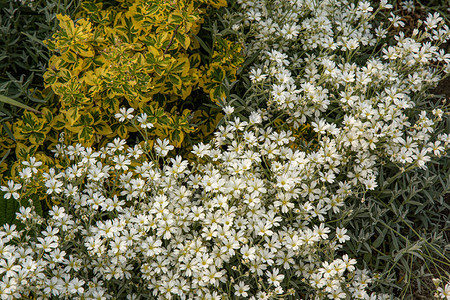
[
  {"x": 33, "y": 38},
  {"x": 8, "y": 208},
  {"x": 37, "y": 205},
  {"x": 86, "y": 135},
  {"x": 202, "y": 43},
  {"x": 367, "y": 257},
  {"x": 380, "y": 239},
  {"x": 183, "y": 40},
  {"x": 8, "y": 131},
  {"x": 10, "y": 101},
  {"x": 5, "y": 156}
]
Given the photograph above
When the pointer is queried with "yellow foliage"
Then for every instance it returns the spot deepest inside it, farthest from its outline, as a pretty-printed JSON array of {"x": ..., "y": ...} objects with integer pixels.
[
  {"x": 139, "y": 54},
  {"x": 130, "y": 55}
]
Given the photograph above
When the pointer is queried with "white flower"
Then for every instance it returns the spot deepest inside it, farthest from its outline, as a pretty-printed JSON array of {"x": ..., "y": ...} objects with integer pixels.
[
  {"x": 385, "y": 5},
  {"x": 11, "y": 190},
  {"x": 9, "y": 232},
  {"x": 241, "y": 289},
  {"x": 33, "y": 164},
  {"x": 274, "y": 277},
  {"x": 47, "y": 244},
  {"x": 76, "y": 286},
  {"x": 257, "y": 75},
  {"x": 26, "y": 173},
  {"x": 228, "y": 110},
  {"x": 142, "y": 119},
  {"x": 349, "y": 263},
  {"x": 433, "y": 20},
  {"x": 444, "y": 293},
  {"x": 396, "y": 20},
  {"x": 341, "y": 235},
  {"x": 24, "y": 213},
  {"x": 408, "y": 5},
  {"x": 121, "y": 162},
  {"x": 201, "y": 149},
  {"x": 248, "y": 252},
  {"x": 8, "y": 266},
  {"x": 162, "y": 147},
  {"x": 255, "y": 118},
  {"x": 125, "y": 114},
  {"x": 53, "y": 186}
]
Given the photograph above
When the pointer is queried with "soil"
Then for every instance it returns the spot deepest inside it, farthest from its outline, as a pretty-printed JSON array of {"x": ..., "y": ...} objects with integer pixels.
[{"x": 443, "y": 88}]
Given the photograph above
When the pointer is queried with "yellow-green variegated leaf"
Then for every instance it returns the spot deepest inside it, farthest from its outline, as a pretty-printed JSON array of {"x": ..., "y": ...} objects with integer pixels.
[
  {"x": 37, "y": 138},
  {"x": 86, "y": 135},
  {"x": 83, "y": 50},
  {"x": 3, "y": 167},
  {"x": 47, "y": 114},
  {"x": 72, "y": 115},
  {"x": 66, "y": 24},
  {"x": 181, "y": 67},
  {"x": 24, "y": 152},
  {"x": 218, "y": 3},
  {"x": 119, "y": 129},
  {"x": 69, "y": 57},
  {"x": 85, "y": 120},
  {"x": 183, "y": 40},
  {"x": 30, "y": 123},
  {"x": 162, "y": 132},
  {"x": 111, "y": 103},
  {"x": 194, "y": 60},
  {"x": 176, "y": 138},
  {"x": 175, "y": 80},
  {"x": 91, "y": 7},
  {"x": 58, "y": 122},
  {"x": 176, "y": 18},
  {"x": 102, "y": 128},
  {"x": 217, "y": 94},
  {"x": 185, "y": 92}
]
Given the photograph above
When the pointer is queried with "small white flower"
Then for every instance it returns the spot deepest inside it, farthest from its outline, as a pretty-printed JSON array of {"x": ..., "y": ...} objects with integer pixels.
[
  {"x": 33, "y": 164},
  {"x": 142, "y": 119},
  {"x": 274, "y": 277},
  {"x": 11, "y": 190},
  {"x": 125, "y": 114},
  {"x": 341, "y": 235},
  {"x": 255, "y": 118},
  {"x": 384, "y": 4},
  {"x": 163, "y": 147},
  {"x": 241, "y": 289},
  {"x": 26, "y": 173},
  {"x": 121, "y": 162},
  {"x": 53, "y": 186},
  {"x": 256, "y": 75},
  {"x": 76, "y": 286},
  {"x": 444, "y": 293},
  {"x": 228, "y": 110}
]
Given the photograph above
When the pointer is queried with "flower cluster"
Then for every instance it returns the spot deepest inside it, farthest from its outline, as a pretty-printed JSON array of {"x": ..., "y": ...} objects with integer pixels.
[
  {"x": 364, "y": 105},
  {"x": 347, "y": 69},
  {"x": 256, "y": 214},
  {"x": 248, "y": 218}
]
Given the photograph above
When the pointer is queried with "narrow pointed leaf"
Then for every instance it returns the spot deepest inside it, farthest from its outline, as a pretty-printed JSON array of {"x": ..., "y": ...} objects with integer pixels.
[{"x": 10, "y": 101}]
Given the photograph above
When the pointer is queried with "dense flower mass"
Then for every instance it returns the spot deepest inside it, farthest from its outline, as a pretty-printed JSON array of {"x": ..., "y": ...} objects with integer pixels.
[
  {"x": 258, "y": 213},
  {"x": 250, "y": 208}
]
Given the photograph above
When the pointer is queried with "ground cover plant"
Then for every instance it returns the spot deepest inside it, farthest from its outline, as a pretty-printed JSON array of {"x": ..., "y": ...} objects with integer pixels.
[
  {"x": 383, "y": 220},
  {"x": 325, "y": 179}
]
